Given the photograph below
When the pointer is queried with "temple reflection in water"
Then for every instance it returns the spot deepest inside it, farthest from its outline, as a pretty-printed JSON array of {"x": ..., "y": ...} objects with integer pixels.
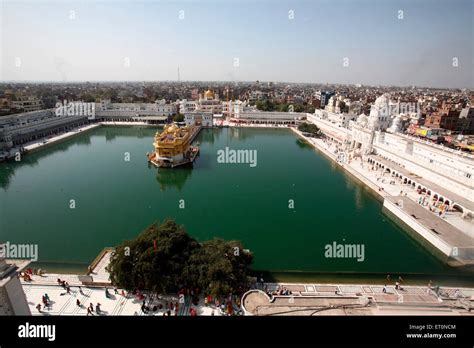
[{"x": 173, "y": 178}]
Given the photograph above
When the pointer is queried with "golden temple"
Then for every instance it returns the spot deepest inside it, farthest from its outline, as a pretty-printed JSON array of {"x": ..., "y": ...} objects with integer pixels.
[{"x": 173, "y": 146}]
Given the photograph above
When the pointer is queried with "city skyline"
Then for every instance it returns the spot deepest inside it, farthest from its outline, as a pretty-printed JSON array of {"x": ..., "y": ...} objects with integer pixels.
[{"x": 148, "y": 41}]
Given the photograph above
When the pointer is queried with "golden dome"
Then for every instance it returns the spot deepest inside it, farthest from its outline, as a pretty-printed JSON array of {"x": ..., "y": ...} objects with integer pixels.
[{"x": 209, "y": 94}]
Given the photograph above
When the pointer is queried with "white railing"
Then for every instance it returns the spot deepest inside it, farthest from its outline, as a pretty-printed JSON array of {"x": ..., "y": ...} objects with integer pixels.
[{"x": 438, "y": 146}]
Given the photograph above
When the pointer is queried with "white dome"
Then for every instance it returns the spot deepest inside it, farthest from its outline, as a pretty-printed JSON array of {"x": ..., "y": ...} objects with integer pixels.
[
  {"x": 379, "y": 112},
  {"x": 362, "y": 120}
]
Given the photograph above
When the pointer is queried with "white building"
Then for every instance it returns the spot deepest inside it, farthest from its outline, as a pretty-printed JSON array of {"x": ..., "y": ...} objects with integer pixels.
[
  {"x": 165, "y": 109},
  {"x": 21, "y": 128},
  {"x": 332, "y": 131},
  {"x": 205, "y": 119},
  {"x": 187, "y": 106},
  {"x": 233, "y": 108},
  {"x": 209, "y": 102},
  {"x": 158, "y": 112},
  {"x": 445, "y": 173},
  {"x": 450, "y": 169},
  {"x": 339, "y": 119},
  {"x": 268, "y": 117}
]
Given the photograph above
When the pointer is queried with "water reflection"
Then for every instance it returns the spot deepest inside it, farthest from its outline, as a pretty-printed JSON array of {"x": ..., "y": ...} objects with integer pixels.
[
  {"x": 359, "y": 197},
  {"x": 303, "y": 144},
  {"x": 240, "y": 133},
  {"x": 173, "y": 177},
  {"x": 112, "y": 132},
  {"x": 357, "y": 189},
  {"x": 7, "y": 170},
  {"x": 6, "y": 175},
  {"x": 208, "y": 136}
]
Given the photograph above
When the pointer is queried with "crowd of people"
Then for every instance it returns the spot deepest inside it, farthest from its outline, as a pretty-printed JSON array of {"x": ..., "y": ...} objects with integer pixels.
[
  {"x": 187, "y": 301},
  {"x": 436, "y": 206},
  {"x": 46, "y": 301},
  {"x": 280, "y": 291},
  {"x": 27, "y": 274}
]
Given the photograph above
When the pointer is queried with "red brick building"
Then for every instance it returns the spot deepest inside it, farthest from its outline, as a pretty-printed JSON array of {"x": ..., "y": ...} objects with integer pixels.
[{"x": 446, "y": 117}]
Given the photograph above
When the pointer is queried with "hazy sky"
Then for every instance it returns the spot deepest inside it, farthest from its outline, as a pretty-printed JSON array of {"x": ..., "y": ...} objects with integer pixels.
[{"x": 147, "y": 40}]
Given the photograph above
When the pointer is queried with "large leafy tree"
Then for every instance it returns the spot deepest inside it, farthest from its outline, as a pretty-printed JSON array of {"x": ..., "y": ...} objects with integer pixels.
[
  {"x": 178, "y": 118},
  {"x": 164, "y": 258},
  {"x": 309, "y": 128},
  {"x": 220, "y": 267},
  {"x": 154, "y": 260}
]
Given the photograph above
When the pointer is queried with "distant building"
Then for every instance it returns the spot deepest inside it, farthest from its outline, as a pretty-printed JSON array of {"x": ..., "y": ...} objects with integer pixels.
[
  {"x": 466, "y": 120},
  {"x": 21, "y": 128},
  {"x": 194, "y": 94},
  {"x": 447, "y": 118},
  {"x": 205, "y": 119},
  {"x": 158, "y": 112},
  {"x": 323, "y": 97},
  {"x": 232, "y": 108},
  {"x": 165, "y": 109},
  {"x": 209, "y": 102},
  {"x": 187, "y": 106},
  {"x": 268, "y": 117},
  {"x": 339, "y": 119},
  {"x": 27, "y": 104}
]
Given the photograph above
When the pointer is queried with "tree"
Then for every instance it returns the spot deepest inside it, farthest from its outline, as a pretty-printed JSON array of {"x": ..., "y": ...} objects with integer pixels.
[
  {"x": 164, "y": 258},
  {"x": 220, "y": 267},
  {"x": 309, "y": 128},
  {"x": 283, "y": 107},
  {"x": 178, "y": 118},
  {"x": 265, "y": 105},
  {"x": 299, "y": 108},
  {"x": 154, "y": 260}
]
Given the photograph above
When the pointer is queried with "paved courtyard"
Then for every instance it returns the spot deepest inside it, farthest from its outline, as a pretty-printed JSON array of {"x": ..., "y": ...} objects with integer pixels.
[
  {"x": 116, "y": 304},
  {"x": 303, "y": 296},
  {"x": 357, "y": 299}
]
